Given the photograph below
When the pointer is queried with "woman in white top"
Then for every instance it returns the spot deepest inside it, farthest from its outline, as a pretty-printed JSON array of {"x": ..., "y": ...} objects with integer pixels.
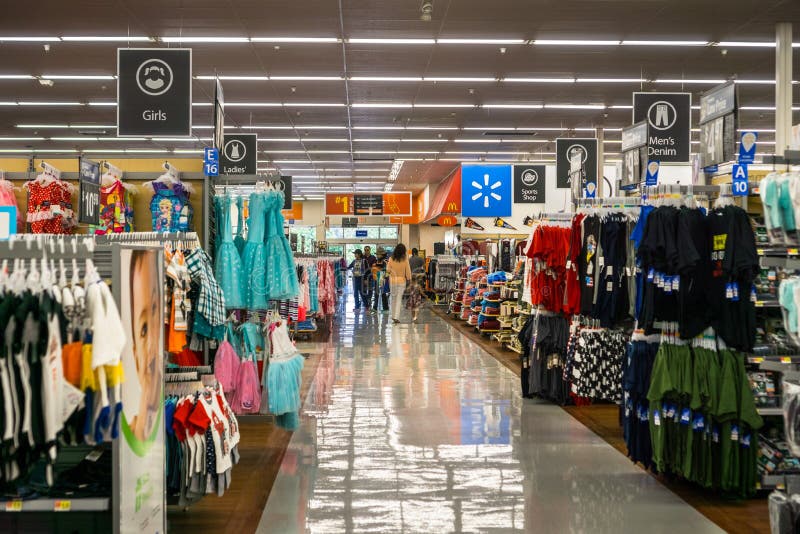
[{"x": 399, "y": 272}]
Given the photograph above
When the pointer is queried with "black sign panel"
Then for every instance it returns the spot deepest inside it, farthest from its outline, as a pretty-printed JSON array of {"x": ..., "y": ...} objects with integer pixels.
[
  {"x": 239, "y": 154},
  {"x": 89, "y": 200},
  {"x": 286, "y": 187},
  {"x": 154, "y": 92},
  {"x": 669, "y": 117},
  {"x": 529, "y": 184},
  {"x": 565, "y": 149},
  {"x": 368, "y": 204},
  {"x": 718, "y": 102},
  {"x": 349, "y": 222},
  {"x": 219, "y": 116}
]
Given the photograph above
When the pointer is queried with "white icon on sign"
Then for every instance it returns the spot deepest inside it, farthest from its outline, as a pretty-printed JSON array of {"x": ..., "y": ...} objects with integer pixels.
[
  {"x": 530, "y": 177},
  {"x": 235, "y": 150},
  {"x": 154, "y": 77},
  {"x": 574, "y": 150},
  {"x": 662, "y": 115},
  {"x": 652, "y": 168},
  {"x": 748, "y": 140},
  {"x": 487, "y": 192}
]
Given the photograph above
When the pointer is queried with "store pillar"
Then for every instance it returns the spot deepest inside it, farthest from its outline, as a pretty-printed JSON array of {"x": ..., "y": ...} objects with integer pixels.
[{"x": 783, "y": 86}]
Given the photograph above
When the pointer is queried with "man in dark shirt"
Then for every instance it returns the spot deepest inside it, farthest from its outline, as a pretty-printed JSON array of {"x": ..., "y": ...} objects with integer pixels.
[{"x": 416, "y": 263}]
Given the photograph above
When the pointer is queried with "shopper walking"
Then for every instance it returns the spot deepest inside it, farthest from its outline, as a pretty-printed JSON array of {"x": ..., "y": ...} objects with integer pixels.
[
  {"x": 414, "y": 295},
  {"x": 416, "y": 262},
  {"x": 360, "y": 270},
  {"x": 380, "y": 282},
  {"x": 399, "y": 272},
  {"x": 369, "y": 288}
]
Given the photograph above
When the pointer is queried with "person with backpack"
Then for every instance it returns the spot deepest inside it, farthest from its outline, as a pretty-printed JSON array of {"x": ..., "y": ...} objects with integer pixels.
[{"x": 360, "y": 269}]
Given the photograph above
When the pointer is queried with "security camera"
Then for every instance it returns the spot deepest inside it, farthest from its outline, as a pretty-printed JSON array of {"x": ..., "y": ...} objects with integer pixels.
[{"x": 426, "y": 10}]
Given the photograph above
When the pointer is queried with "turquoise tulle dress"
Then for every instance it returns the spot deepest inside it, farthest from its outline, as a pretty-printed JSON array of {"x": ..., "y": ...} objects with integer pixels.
[
  {"x": 228, "y": 263},
  {"x": 284, "y": 378},
  {"x": 239, "y": 239},
  {"x": 254, "y": 258},
  {"x": 281, "y": 275}
]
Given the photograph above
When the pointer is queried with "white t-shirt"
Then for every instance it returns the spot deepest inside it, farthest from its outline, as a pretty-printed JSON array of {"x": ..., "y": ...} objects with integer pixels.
[{"x": 108, "y": 336}]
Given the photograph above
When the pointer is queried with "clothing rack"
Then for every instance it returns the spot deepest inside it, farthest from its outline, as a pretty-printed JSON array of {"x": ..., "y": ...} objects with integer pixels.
[
  {"x": 151, "y": 238},
  {"x": 610, "y": 202}
]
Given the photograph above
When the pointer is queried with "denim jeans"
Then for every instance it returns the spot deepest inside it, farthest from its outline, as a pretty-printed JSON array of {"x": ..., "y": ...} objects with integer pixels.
[{"x": 358, "y": 288}]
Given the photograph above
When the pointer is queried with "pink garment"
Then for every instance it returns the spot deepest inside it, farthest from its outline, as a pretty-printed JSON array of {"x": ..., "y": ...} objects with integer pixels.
[
  {"x": 226, "y": 367},
  {"x": 247, "y": 397},
  {"x": 8, "y": 198}
]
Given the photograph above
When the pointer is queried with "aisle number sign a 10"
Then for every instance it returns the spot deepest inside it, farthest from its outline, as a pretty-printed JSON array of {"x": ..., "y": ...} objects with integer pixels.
[{"x": 740, "y": 184}]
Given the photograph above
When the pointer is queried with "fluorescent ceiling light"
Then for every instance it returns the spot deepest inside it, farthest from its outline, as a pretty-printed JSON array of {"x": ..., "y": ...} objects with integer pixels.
[
  {"x": 102, "y": 103},
  {"x": 384, "y": 105},
  {"x": 392, "y": 41},
  {"x": 16, "y": 77},
  {"x": 430, "y": 127},
  {"x": 48, "y": 126},
  {"x": 188, "y": 151},
  {"x": 476, "y": 141},
  {"x": 745, "y": 44},
  {"x": 107, "y": 38},
  {"x": 205, "y": 39},
  {"x": 313, "y": 104},
  {"x": 758, "y": 108},
  {"x": 294, "y": 39},
  {"x": 307, "y": 78},
  {"x": 665, "y": 43},
  {"x": 386, "y": 78},
  {"x": 757, "y": 82},
  {"x": 621, "y": 106},
  {"x": 78, "y": 77},
  {"x": 575, "y": 42},
  {"x": 304, "y": 139},
  {"x": 233, "y": 78},
  {"x": 246, "y": 104},
  {"x": 327, "y": 151},
  {"x": 482, "y": 41},
  {"x": 22, "y": 138},
  {"x": 611, "y": 80},
  {"x": 512, "y": 106},
  {"x": 695, "y": 80},
  {"x": 575, "y": 106},
  {"x": 444, "y": 105},
  {"x": 458, "y": 79},
  {"x": 39, "y": 103},
  {"x": 396, "y": 151},
  {"x": 24, "y": 39},
  {"x": 539, "y": 80}
]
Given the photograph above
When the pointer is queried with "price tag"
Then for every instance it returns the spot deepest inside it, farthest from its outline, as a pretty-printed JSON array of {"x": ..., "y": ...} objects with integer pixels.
[
  {"x": 793, "y": 251},
  {"x": 786, "y": 359},
  {"x": 760, "y": 251},
  {"x": 757, "y": 359},
  {"x": 14, "y": 506},
  {"x": 62, "y": 506}
]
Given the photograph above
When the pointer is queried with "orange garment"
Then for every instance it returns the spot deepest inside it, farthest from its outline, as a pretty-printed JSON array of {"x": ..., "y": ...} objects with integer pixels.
[
  {"x": 71, "y": 355},
  {"x": 176, "y": 339}
]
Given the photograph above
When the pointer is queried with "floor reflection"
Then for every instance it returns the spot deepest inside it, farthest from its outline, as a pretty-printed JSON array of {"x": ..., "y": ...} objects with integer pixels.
[{"x": 412, "y": 428}]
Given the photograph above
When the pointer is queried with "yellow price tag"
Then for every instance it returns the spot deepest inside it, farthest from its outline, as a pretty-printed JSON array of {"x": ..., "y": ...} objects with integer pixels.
[
  {"x": 786, "y": 359},
  {"x": 759, "y": 304},
  {"x": 62, "y": 506},
  {"x": 760, "y": 251},
  {"x": 793, "y": 251},
  {"x": 757, "y": 360},
  {"x": 14, "y": 506}
]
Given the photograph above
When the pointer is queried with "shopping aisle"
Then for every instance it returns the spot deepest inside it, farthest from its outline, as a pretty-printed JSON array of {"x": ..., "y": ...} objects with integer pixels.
[{"x": 413, "y": 428}]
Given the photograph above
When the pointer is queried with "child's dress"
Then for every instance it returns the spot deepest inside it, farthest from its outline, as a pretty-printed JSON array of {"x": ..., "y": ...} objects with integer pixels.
[
  {"x": 281, "y": 275},
  {"x": 170, "y": 208},
  {"x": 116, "y": 210},
  {"x": 50, "y": 206},
  {"x": 254, "y": 258},
  {"x": 228, "y": 265},
  {"x": 8, "y": 198}
]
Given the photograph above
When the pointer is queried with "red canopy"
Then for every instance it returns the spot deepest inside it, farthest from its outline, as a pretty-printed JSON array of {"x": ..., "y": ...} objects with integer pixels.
[{"x": 448, "y": 197}]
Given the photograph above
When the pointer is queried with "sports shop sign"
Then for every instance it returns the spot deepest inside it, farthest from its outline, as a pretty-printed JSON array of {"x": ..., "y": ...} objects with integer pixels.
[{"x": 669, "y": 118}]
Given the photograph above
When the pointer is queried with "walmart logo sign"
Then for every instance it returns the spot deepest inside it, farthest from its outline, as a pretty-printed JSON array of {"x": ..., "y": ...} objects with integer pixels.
[{"x": 486, "y": 190}]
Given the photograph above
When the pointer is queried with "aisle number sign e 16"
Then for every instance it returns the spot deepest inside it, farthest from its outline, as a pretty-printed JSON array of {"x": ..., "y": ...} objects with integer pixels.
[
  {"x": 211, "y": 161},
  {"x": 740, "y": 184}
]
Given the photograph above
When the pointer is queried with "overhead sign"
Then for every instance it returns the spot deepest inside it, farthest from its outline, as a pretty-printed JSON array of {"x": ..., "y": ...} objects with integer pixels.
[
  {"x": 718, "y": 119},
  {"x": 634, "y": 136},
  {"x": 362, "y": 233},
  {"x": 210, "y": 161},
  {"x": 529, "y": 184},
  {"x": 398, "y": 203},
  {"x": 287, "y": 192},
  {"x": 740, "y": 185},
  {"x": 747, "y": 147},
  {"x": 486, "y": 190},
  {"x": 349, "y": 222},
  {"x": 89, "y": 182},
  {"x": 634, "y": 154},
  {"x": 565, "y": 150},
  {"x": 669, "y": 120},
  {"x": 294, "y": 214},
  {"x": 239, "y": 154},
  {"x": 368, "y": 204},
  {"x": 447, "y": 220},
  {"x": 154, "y": 92},
  {"x": 219, "y": 115},
  {"x": 651, "y": 177},
  {"x": 718, "y": 102}
]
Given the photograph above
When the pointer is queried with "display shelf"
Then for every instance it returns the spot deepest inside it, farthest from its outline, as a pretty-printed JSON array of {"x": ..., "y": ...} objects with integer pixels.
[
  {"x": 775, "y": 481},
  {"x": 83, "y": 504},
  {"x": 767, "y": 303},
  {"x": 781, "y": 360},
  {"x": 770, "y": 411},
  {"x": 778, "y": 251}
]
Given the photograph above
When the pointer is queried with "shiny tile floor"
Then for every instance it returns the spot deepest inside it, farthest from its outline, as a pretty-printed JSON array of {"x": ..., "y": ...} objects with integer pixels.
[{"x": 413, "y": 428}]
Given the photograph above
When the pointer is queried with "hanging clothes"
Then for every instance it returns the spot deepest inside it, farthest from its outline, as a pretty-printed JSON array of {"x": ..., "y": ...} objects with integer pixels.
[
  {"x": 228, "y": 265},
  {"x": 50, "y": 206},
  {"x": 254, "y": 257},
  {"x": 116, "y": 209},
  {"x": 281, "y": 283}
]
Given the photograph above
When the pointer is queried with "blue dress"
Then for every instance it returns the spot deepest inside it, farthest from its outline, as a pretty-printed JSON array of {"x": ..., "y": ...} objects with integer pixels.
[
  {"x": 228, "y": 264},
  {"x": 239, "y": 239},
  {"x": 254, "y": 258},
  {"x": 281, "y": 275}
]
